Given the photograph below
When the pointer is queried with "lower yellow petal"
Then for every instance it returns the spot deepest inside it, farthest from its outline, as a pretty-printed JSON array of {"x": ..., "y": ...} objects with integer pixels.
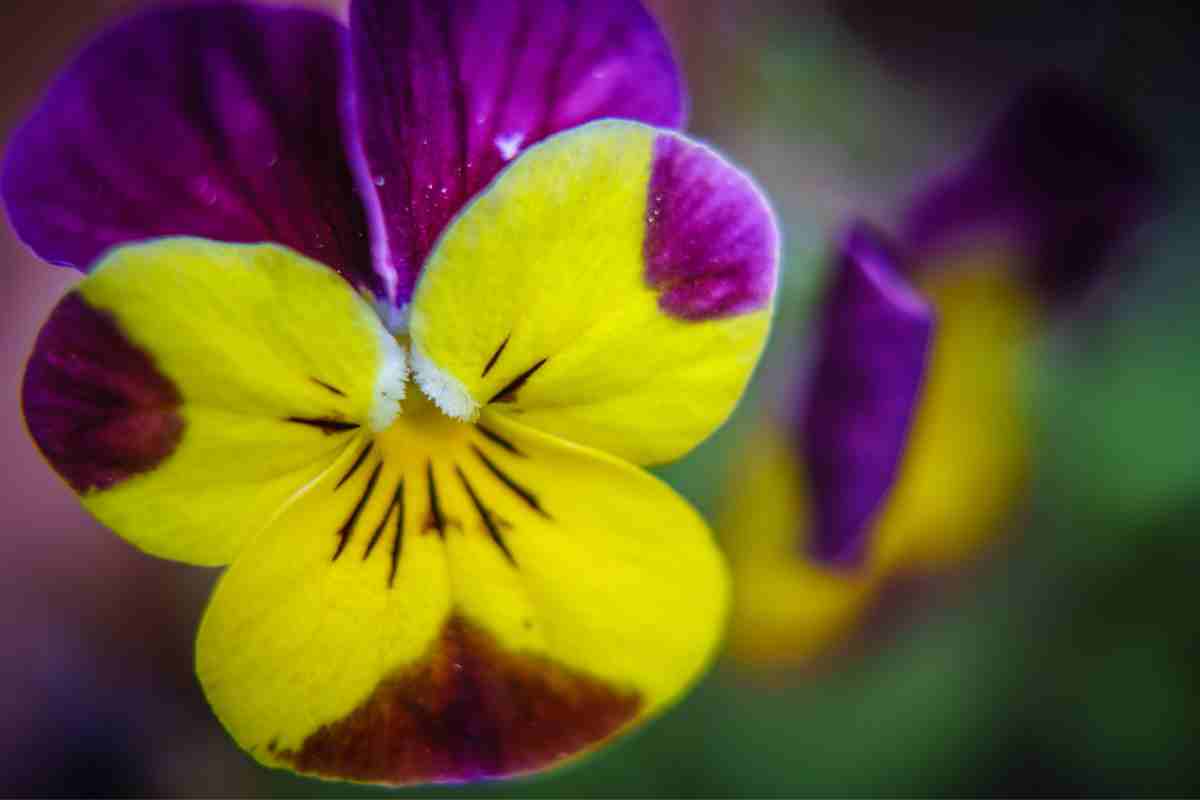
[{"x": 462, "y": 601}]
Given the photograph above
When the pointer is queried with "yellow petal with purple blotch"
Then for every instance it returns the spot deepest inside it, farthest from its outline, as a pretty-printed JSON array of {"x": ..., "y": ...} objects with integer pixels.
[
  {"x": 613, "y": 287},
  {"x": 457, "y": 601},
  {"x": 187, "y": 389}
]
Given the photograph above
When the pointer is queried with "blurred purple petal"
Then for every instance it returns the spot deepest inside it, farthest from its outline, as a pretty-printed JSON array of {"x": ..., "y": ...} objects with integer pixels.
[
  {"x": 446, "y": 93},
  {"x": 860, "y": 396},
  {"x": 712, "y": 246},
  {"x": 1059, "y": 177},
  {"x": 218, "y": 121}
]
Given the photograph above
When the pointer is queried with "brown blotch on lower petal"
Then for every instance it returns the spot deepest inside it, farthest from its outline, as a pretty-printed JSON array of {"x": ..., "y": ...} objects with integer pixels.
[{"x": 471, "y": 710}]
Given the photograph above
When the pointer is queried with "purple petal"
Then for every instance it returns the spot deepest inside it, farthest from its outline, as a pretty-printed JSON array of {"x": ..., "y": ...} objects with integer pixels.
[
  {"x": 446, "y": 93},
  {"x": 219, "y": 121},
  {"x": 1059, "y": 177},
  {"x": 95, "y": 404},
  {"x": 860, "y": 397},
  {"x": 711, "y": 244}
]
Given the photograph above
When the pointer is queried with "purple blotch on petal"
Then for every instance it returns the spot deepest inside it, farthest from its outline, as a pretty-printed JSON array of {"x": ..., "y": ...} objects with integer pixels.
[
  {"x": 219, "y": 121},
  {"x": 445, "y": 94},
  {"x": 859, "y": 399},
  {"x": 94, "y": 402},
  {"x": 1059, "y": 177},
  {"x": 712, "y": 246}
]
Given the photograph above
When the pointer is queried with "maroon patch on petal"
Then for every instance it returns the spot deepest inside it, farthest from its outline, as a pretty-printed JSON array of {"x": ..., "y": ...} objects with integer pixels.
[
  {"x": 470, "y": 711},
  {"x": 94, "y": 402},
  {"x": 711, "y": 242}
]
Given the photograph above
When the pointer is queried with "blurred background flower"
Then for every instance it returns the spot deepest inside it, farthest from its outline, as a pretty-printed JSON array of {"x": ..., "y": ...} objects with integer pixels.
[
  {"x": 1064, "y": 662},
  {"x": 906, "y": 448}
]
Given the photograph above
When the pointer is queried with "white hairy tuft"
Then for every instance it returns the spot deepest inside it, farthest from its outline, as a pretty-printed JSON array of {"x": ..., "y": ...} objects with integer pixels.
[
  {"x": 446, "y": 391},
  {"x": 389, "y": 385}
]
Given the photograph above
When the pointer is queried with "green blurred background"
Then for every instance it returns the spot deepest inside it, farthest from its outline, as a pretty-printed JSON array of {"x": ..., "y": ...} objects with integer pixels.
[{"x": 1066, "y": 662}]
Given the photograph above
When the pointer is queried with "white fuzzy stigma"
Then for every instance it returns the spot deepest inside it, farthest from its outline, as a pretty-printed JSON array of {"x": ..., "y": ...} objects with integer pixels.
[
  {"x": 446, "y": 392},
  {"x": 389, "y": 385}
]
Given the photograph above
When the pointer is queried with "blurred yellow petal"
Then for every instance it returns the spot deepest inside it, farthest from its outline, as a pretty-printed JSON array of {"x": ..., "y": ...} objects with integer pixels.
[
  {"x": 187, "y": 389},
  {"x": 967, "y": 461},
  {"x": 787, "y": 608},
  {"x": 612, "y": 287},
  {"x": 463, "y": 601}
]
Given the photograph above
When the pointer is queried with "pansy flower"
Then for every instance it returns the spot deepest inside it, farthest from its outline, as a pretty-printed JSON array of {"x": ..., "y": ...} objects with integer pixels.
[
  {"x": 386, "y": 317},
  {"x": 908, "y": 444}
]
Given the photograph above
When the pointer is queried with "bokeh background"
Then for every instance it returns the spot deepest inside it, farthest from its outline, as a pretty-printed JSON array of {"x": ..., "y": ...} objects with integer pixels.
[{"x": 1066, "y": 661}]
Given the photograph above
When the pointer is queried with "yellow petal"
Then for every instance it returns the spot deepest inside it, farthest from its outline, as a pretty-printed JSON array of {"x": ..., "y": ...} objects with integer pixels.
[
  {"x": 264, "y": 364},
  {"x": 463, "y": 602},
  {"x": 612, "y": 287},
  {"x": 967, "y": 461},
  {"x": 787, "y": 609}
]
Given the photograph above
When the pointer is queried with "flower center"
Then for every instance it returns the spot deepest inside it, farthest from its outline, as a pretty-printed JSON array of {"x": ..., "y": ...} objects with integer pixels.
[
  {"x": 429, "y": 473},
  {"x": 421, "y": 427}
]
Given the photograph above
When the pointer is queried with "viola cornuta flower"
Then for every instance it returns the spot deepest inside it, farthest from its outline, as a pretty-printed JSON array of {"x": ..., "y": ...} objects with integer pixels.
[
  {"x": 386, "y": 317},
  {"x": 909, "y": 444}
]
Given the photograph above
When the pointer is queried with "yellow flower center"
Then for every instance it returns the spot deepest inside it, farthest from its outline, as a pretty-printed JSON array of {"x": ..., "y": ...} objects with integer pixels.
[
  {"x": 429, "y": 473},
  {"x": 421, "y": 430}
]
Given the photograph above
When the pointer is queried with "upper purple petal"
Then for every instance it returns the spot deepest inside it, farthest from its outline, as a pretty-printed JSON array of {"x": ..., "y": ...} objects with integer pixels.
[
  {"x": 1059, "y": 176},
  {"x": 220, "y": 121},
  {"x": 859, "y": 399},
  {"x": 446, "y": 92}
]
